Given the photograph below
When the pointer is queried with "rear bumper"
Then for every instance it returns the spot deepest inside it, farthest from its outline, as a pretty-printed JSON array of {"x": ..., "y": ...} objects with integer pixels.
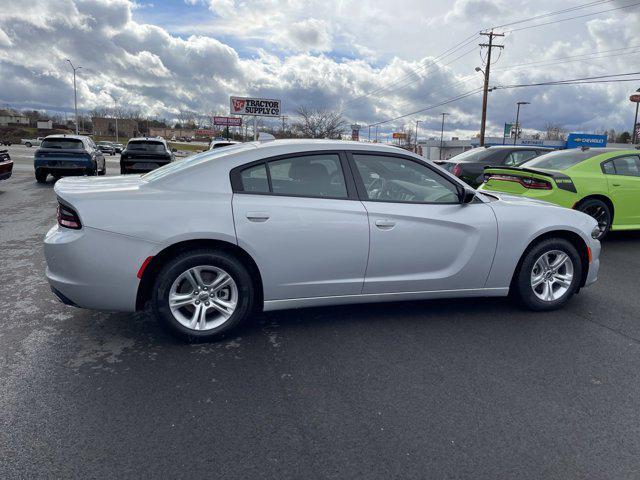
[
  {"x": 139, "y": 165},
  {"x": 63, "y": 167},
  {"x": 94, "y": 269}
]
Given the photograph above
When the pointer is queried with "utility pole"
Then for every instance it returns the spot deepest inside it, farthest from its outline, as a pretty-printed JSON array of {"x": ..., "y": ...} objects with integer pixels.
[
  {"x": 442, "y": 133},
  {"x": 369, "y": 136},
  {"x": 490, "y": 46},
  {"x": 416, "y": 148},
  {"x": 284, "y": 118},
  {"x": 75, "y": 91},
  {"x": 376, "y": 133},
  {"x": 515, "y": 137}
]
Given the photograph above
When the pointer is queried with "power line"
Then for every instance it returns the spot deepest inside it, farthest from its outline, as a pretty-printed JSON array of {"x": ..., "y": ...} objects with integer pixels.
[
  {"x": 572, "y": 18},
  {"x": 574, "y": 81},
  {"x": 445, "y": 102},
  {"x": 557, "y": 12},
  {"x": 415, "y": 72}
]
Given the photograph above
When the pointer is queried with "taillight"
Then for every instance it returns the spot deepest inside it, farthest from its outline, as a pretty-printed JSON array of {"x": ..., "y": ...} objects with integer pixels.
[
  {"x": 68, "y": 218},
  {"x": 457, "y": 170},
  {"x": 526, "y": 182}
]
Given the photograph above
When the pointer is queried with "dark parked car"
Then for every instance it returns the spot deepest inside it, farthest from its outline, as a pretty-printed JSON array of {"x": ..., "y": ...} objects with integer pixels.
[
  {"x": 67, "y": 155},
  {"x": 119, "y": 147},
  {"x": 145, "y": 154},
  {"x": 107, "y": 147},
  {"x": 6, "y": 165},
  {"x": 469, "y": 166}
]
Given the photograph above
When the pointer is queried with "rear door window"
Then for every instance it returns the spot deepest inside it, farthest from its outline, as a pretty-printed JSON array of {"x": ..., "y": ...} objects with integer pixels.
[
  {"x": 254, "y": 179},
  {"x": 310, "y": 176},
  {"x": 518, "y": 157},
  {"x": 628, "y": 166}
]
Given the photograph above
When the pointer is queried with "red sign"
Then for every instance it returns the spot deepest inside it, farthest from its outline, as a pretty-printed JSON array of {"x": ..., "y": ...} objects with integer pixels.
[
  {"x": 399, "y": 135},
  {"x": 635, "y": 98},
  {"x": 355, "y": 135},
  {"x": 205, "y": 133},
  {"x": 227, "y": 121}
]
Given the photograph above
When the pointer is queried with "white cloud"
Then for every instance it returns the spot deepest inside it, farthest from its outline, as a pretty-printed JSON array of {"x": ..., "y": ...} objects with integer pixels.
[{"x": 319, "y": 53}]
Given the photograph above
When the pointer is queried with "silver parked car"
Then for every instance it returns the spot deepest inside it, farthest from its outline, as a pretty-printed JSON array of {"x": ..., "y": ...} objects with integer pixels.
[{"x": 284, "y": 224}]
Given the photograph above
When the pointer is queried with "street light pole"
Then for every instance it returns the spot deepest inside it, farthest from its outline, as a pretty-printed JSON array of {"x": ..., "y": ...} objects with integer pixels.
[
  {"x": 417, "y": 122},
  {"x": 442, "y": 134},
  {"x": 75, "y": 92},
  {"x": 515, "y": 137}
]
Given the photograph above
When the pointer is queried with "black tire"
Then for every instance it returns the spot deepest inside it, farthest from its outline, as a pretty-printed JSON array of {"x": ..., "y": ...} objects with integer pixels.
[
  {"x": 600, "y": 211},
  {"x": 171, "y": 270},
  {"x": 41, "y": 176},
  {"x": 522, "y": 282},
  {"x": 104, "y": 170},
  {"x": 28, "y": 144},
  {"x": 123, "y": 171}
]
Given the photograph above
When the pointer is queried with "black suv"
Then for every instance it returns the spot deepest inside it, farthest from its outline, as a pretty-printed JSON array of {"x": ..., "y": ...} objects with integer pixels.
[
  {"x": 469, "y": 166},
  {"x": 145, "y": 154}
]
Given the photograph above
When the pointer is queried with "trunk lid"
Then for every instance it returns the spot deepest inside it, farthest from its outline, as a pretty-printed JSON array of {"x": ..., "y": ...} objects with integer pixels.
[{"x": 519, "y": 180}]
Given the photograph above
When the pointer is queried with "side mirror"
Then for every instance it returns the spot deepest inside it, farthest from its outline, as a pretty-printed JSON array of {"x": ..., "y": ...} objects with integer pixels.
[{"x": 466, "y": 195}]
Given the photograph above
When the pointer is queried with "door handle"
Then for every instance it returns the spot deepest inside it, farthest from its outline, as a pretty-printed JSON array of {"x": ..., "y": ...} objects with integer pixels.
[
  {"x": 385, "y": 224},
  {"x": 258, "y": 216},
  {"x": 615, "y": 184}
]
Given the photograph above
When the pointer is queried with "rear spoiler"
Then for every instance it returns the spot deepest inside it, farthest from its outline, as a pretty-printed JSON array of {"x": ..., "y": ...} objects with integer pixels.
[{"x": 563, "y": 182}]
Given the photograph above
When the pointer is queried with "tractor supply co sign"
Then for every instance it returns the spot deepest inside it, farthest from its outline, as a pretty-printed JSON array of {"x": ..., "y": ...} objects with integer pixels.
[
  {"x": 227, "y": 121},
  {"x": 635, "y": 98},
  {"x": 261, "y": 107}
]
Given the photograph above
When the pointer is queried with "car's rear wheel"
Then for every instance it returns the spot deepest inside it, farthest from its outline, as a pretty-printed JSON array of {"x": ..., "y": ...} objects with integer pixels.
[
  {"x": 41, "y": 176},
  {"x": 123, "y": 171},
  {"x": 549, "y": 275},
  {"x": 28, "y": 144},
  {"x": 600, "y": 211},
  {"x": 202, "y": 294}
]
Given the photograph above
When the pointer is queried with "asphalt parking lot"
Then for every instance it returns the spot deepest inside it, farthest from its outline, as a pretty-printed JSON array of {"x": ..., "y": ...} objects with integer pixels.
[{"x": 436, "y": 389}]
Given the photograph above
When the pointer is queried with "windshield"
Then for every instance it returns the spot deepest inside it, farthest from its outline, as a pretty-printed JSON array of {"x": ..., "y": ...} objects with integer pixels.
[
  {"x": 105, "y": 143},
  {"x": 180, "y": 165},
  {"x": 472, "y": 156},
  {"x": 561, "y": 159},
  {"x": 146, "y": 146},
  {"x": 63, "y": 143}
]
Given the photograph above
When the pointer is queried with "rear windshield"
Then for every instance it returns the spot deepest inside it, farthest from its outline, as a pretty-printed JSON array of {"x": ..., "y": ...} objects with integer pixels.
[
  {"x": 180, "y": 165},
  {"x": 145, "y": 146},
  {"x": 63, "y": 143},
  {"x": 561, "y": 159},
  {"x": 472, "y": 156},
  {"x": 105, "y": 143}
]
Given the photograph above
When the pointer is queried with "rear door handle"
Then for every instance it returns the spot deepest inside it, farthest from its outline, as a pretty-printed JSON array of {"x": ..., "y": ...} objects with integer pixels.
[
  {"x": 615, "y": 184},
  {"x": 258, "y": 216},
  {"x": 385, "y": 224}
]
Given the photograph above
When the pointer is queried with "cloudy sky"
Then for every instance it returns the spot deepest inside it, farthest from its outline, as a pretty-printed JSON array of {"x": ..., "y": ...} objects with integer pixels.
[{"x": 374, "y": 60}]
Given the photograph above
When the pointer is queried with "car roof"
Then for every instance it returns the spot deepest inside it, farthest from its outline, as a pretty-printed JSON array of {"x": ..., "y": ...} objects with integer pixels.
[
  {"x": 517, "y": 147},
  {"x": 64, "y": 135},
  {"x": 301, "y": 145},
  {"x": 145, "y": 139}
]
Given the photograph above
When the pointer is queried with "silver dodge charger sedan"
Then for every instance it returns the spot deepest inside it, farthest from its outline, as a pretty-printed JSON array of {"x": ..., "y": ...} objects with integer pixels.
[{"x": 295, "y": 223}]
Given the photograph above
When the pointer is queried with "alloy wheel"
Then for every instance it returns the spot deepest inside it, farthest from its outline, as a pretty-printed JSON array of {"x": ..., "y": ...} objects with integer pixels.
[
  {"x": 203, "y": 297},
  {"x": 552, "y": 275}
]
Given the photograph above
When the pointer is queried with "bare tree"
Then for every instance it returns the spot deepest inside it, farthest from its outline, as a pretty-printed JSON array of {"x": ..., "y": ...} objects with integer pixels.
[
  {"x": 315, "y": 123},
  {"x": 555, "y": 132}
]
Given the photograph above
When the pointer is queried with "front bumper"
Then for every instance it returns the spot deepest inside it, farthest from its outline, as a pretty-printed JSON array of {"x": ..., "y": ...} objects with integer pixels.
[
  {"x": 94, "y": 269},
  {"x": 594, "y": 265}
]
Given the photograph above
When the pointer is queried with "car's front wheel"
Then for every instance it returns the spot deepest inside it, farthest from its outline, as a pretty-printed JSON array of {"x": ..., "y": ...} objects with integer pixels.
[
  {"x": 600, "y": 211},
  {"x": 549, "y": 275},
  {"x": 200, "y": 295}
]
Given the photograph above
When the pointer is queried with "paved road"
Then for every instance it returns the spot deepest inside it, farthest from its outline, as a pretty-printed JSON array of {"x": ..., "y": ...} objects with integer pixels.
[{"x": 441, "y": 389}]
